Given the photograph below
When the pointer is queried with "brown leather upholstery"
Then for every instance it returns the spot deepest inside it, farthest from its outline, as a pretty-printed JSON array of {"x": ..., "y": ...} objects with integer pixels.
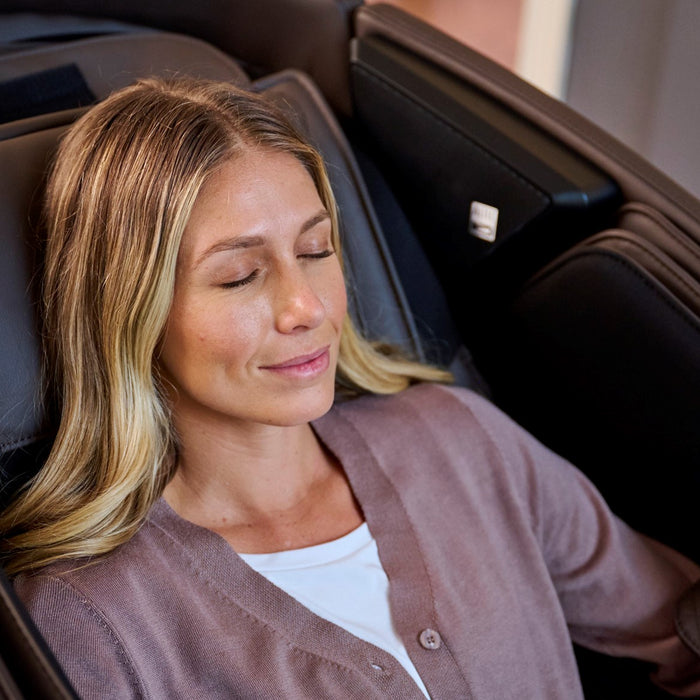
[
  {"x": 27, "y": 670},
  {"x": 266, "y": 35},
  {"x": 688, "y": 618},
  {"x": 111, "y": 62},
  {"x": 637, "y": 178}
]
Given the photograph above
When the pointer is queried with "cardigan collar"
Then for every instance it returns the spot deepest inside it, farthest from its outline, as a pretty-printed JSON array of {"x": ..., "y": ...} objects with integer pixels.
[{"x": 212, "y": 558}]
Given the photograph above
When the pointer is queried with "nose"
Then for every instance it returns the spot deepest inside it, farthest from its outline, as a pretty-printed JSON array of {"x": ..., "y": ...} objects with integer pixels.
[{"x": 298, "y": 305}]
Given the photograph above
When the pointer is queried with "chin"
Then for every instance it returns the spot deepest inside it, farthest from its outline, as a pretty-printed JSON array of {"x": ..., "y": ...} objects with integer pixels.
[{"x": 303, "y": 410}]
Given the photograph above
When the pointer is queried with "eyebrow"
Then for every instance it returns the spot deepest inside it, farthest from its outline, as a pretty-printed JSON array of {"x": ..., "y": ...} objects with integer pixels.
[
  {"x": 242, "y": 242},
  {"x": 323, "y": 215}
]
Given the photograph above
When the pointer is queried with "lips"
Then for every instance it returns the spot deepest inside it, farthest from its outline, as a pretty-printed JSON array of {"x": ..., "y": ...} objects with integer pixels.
[
  {"x": 300, "y": 360},
  {"x": 309, "y": 365}
]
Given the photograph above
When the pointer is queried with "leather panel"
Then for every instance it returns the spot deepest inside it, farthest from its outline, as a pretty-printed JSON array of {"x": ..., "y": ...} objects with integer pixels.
[
  {"x": 688, "y": 618},
  {"x": 600, "y": 360},
  {"x": 638, "y": 179},
  {"x": 266, "y": 35},
  {"x": 111, "y": 62}
]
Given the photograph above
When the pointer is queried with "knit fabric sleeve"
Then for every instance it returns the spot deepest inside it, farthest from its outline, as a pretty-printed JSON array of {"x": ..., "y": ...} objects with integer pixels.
[
  {"x": 80, "y": 637},
  {"x": 618, "y": 588}
]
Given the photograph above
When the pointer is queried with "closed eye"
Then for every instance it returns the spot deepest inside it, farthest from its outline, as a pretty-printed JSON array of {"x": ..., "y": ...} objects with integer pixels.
[
  {"x": 241, "y": 282},
  {"x": 318, "y": 256}
]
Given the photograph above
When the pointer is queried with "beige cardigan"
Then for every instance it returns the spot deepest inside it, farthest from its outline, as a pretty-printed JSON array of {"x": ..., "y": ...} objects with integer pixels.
[{"x": 496, "y": 550}]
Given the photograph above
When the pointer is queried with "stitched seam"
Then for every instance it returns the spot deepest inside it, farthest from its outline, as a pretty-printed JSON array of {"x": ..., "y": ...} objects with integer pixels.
[
  {"x": 22, "y": 440},
  {"x": 102, "y": 621},
  {"x": 678, "y": 309},
  {"x": 390, "y": 87},
  {"x": 662, "y": 222},
  {"x": 660, "y": 261}
]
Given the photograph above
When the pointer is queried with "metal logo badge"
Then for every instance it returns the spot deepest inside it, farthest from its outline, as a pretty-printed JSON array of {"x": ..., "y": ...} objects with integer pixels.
[{"x": 483, "y": 221}]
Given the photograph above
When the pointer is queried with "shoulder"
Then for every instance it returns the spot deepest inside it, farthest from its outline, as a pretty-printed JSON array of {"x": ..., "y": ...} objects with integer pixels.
[
  {"x": 458, "y": 433},
  {"x": 87, "y": 588},
  {"x": 467, "y": 441},
  {"x": 57, "y": 588},
  {"x": 103, "y": 583},
  {"x": 451, "y": 415},
  {"x": 421, "y": 403},
  {"x": 95, "y": 590},
  {"x": 99, "y": 616},
  {"x": 79, "y": 633}
]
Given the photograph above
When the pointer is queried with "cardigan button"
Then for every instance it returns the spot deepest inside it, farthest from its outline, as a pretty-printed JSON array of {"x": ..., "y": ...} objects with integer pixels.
[{"x": 429, "y": 639}]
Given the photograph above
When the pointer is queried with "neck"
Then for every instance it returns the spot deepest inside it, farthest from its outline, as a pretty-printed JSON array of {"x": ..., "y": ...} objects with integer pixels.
[
  {"x": 263, "y": 488},
  {"x": 259, "y": 468}
]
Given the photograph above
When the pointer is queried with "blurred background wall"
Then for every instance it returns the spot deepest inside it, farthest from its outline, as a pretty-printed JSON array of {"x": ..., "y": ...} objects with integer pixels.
[{"x": 631, "y": 66}]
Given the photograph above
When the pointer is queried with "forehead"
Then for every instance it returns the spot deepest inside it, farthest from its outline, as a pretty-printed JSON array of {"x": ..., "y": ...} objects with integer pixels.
[
  {"x": 258, "y": 193},
  {"x": 252, "y": 173}
]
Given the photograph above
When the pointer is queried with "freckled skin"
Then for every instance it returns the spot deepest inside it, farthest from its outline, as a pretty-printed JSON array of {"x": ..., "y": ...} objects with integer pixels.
[
  {"x": 221, "y": 339},
  {"x": 250, "y": 352}
]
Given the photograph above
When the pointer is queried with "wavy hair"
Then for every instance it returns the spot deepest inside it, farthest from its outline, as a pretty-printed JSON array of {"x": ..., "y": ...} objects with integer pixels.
[{"x": 120, "y": 193}]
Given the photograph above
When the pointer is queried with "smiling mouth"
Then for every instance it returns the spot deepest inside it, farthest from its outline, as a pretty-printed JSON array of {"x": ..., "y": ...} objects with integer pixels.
[{"x": 310, "y": 365}]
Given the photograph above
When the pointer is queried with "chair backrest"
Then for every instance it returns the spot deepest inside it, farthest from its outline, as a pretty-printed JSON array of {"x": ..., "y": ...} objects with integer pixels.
[
  {"x": 68, "y": 71},
  {"x": 75, "y": 73},
  {"x": 264, "y": 35},
  {"x": 103, "y": 63}
]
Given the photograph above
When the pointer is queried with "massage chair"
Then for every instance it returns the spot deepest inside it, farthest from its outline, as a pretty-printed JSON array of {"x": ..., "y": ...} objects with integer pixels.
[{"x": 486, "y": 227}]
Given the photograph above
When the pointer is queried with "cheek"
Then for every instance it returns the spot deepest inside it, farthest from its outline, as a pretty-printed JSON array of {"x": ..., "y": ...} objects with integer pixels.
[
  {"x": 231, "y": 335},
  {"x": 335, "y": 299},
  {"x": 207, "y": 335}
]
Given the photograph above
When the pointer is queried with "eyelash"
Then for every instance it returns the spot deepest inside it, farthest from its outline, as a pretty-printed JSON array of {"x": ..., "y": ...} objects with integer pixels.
[
  {"x": 253, "y": 275},
  {"x": 241, "y": 283},
  {"x": 318, "y": 256}
]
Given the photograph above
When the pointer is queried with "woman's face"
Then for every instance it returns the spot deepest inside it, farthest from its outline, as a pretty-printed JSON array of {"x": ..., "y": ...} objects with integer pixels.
[{"x": 259, "y": 299}]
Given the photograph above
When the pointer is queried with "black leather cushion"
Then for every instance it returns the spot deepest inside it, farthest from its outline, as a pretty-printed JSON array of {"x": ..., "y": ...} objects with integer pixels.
[
  {"x": 602, "y": 362},
  {"x": 22, "y": 164}
]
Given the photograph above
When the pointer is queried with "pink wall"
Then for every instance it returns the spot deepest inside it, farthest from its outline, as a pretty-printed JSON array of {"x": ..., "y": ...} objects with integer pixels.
[{"x": 489, "y": 26}]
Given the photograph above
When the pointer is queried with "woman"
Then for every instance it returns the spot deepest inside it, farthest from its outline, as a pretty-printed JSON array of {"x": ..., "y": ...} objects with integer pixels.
[{"x": 208, "y": 525}]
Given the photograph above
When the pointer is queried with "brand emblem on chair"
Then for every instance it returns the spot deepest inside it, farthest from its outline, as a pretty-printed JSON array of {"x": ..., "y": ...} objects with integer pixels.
[{"x": 483, "y": 221}]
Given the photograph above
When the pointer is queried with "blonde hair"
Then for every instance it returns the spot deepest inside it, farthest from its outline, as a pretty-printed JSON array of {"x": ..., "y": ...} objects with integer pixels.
[{"x": 124, "y": 182}]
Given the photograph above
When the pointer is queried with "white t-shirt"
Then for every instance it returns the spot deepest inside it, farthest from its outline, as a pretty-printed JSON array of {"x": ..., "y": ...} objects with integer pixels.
[{"x": 342, "y": 581}]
